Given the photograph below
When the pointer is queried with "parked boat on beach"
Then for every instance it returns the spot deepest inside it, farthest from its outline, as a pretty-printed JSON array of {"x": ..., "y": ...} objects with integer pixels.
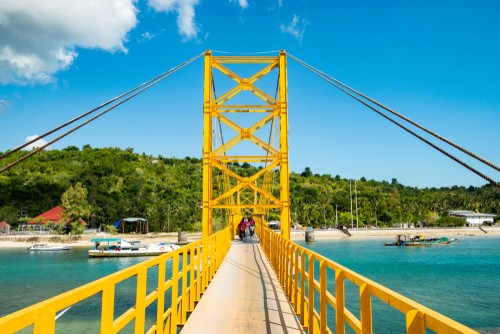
[
  {"x": 118, "y": 247},
  {"x": 48, "y": 248},
  {"x": 419, "y": 240}
]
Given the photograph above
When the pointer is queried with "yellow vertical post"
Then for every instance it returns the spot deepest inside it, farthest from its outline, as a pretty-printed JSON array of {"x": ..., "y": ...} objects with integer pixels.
[
  {"x": 45, "y": 321},
  {"x": 206, "y": 220},
  {"x": 192, "y": 281},
  {"x": 302, "y": 288},
  {"x": 174, "y": 320},
  {"x": 290, "y": 250},
  {"x": 160, "y": 307},
  {"x": 184, "y": 293},
  {"x": 108, "y": 306},
  {"x": 415, "y": 322},
  {"x": 322, "y": 296},
  {"x": 140, "y": 300},
  {"x": 340, "y": 301},
  {"x": 232, "y": 229},
  {"x": 199, "y": 267},
  {"x": 365, "y": 305},
  {"x": 310, "y": 294},
  {"x": 284, "y": 168},
  {"x": 295, "y": 288}
]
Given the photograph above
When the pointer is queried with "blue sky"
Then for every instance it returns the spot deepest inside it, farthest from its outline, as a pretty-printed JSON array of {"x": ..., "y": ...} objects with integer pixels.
[{"x": 437, "y": 62}]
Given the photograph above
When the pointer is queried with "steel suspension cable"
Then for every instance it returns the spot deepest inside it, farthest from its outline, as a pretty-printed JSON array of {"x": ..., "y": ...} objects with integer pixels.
[
  {"x": 20, "y": 147},
  {"x": 449, "y": 142},
  {"x": 335, "y": 84},
  {"x": 137, "y": 90}
]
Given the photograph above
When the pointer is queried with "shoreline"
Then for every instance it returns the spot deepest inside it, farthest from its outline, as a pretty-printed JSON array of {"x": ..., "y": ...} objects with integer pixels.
[
  {"x": 393, "y": 232},
  {"x": 83, "y": 240}
]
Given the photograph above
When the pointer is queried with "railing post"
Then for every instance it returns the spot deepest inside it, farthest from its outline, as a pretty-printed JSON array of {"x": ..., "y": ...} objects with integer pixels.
[
  {"x": 185, "y": 299},
  {"x": 283, "y": 262},
  {"x": 340, "y": 301},
  {"x": 140, "y": 300},
  {"x": 302, "y": 288},
  {"x": 175, "y": 293},
  {"x": 365, "y": 305},
  {"x": 204, "y": 264},
  {"x": 290, "y": 269},
  {"x": 213, "y": 259},
  {"x": 192, "y": 285},
  {"x": 108, "y": 305},
  {"x": 45, "y": 321},
  {"x": 415, "y": 322},
  {"x": 218, "y": 250},
  {"x": 160, "y": 305},
  {"x": 199, "y": 276},
  {"x": 310, "y": 294},
  {"x": 296, "y": 281},
  {"x": 322, "y": 296}
]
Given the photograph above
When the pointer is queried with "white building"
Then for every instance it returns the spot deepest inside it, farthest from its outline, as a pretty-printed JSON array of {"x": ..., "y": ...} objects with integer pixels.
[{"x": 473, "y": 218}]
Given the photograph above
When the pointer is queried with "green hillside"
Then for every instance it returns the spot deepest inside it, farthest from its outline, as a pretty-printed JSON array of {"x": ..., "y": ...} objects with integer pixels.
[{"x": 168, "y": 191}]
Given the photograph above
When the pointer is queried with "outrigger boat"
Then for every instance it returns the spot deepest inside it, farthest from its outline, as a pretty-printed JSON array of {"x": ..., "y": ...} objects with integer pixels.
[
  {"x": 419, "y": 240},
  {"x": 118, "y": 247},
  {"x": 48, "y": 248}
]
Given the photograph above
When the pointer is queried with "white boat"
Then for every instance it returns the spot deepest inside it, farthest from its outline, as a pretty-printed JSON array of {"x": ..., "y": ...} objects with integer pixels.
[
  {"x": 48, "y": 247},
  {"x": 118, "y": 247}
]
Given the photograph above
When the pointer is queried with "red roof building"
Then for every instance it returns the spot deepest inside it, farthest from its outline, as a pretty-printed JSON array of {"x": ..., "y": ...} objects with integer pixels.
[
  {"x": 4, "y": 226},
  {"x": 53, "y": 216}
]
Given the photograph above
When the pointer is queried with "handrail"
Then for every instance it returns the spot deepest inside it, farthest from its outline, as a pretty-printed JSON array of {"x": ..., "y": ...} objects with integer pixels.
[
  {"x": 296, "y": 268},
  {"x": 198, "y": 260}
]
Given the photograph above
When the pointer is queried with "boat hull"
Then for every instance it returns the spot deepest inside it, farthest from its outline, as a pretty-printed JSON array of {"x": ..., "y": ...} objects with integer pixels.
[
  {"x": 419, "y": 241},
  {"x": 423, "y": 244},
  {"x": 124, "y": 253},
  {"x": 49, "y": 249},
  {"x": 154, "y": 251}
]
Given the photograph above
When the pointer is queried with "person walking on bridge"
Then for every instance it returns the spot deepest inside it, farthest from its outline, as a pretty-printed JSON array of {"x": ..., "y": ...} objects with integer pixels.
[
  {"x": 242, "y": 227},
  {"x": 251, "y": 226}
]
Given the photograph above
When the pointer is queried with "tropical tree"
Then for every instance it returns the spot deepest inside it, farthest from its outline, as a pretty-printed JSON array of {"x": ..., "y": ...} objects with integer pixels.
[{"x": 75, "y": 204}]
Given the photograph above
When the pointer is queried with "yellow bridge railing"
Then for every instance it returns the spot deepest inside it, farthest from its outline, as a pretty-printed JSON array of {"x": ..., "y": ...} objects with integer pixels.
[
  {"x": 182, "y": 276},
  {"x": 303, "y": 275}
]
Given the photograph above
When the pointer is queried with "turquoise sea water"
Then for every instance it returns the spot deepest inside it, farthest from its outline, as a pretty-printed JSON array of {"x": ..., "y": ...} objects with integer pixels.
[
  {"x": 31, "y": 277},
  {"x": 461, "y": 281}
]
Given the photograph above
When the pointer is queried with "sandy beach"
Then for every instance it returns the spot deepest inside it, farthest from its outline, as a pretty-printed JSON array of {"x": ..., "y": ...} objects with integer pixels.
[
  {"x": 83, "y": 240},
  {"x": 10, "y": 241}
]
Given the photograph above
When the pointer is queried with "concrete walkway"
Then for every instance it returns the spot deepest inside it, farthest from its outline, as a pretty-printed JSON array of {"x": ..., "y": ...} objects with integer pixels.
[{"x": 244, "y": 297}]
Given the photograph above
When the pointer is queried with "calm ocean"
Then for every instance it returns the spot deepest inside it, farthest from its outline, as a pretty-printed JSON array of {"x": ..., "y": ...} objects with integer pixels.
[{"x": 460, "y": 281}]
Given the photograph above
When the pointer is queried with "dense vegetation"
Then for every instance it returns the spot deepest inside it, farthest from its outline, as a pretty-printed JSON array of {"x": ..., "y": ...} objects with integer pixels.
[{"x": 167, "y": 191}]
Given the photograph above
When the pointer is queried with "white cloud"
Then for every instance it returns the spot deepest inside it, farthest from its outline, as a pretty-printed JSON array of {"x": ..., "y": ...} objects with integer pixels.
[
  {"x": 39, "y": 38},
  {"x": 38, "y": 143},
  {"x": 296, "y": 28},
  {"x": 186, "y": 23},
  {"x": 4, "y": 107},
  {"x": 243, "y": 3}
]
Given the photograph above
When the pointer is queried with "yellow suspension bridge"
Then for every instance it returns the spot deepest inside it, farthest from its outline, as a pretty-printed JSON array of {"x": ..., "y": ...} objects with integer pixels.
[{"x": 265, "y": 284}]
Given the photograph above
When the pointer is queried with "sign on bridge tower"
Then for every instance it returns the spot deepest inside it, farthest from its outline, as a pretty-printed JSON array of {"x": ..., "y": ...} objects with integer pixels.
[{"x": 245, "y": 140}]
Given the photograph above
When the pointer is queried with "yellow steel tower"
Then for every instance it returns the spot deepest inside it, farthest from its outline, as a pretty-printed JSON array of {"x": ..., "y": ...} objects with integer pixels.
[{"x": 223, "y": 187}]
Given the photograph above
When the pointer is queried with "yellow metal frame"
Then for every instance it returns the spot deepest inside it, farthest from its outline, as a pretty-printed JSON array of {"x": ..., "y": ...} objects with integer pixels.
[
  {"x": 296, "y": 268},
  {"x": 199, "y": 260},
  {"x": 243, "y": 192}
]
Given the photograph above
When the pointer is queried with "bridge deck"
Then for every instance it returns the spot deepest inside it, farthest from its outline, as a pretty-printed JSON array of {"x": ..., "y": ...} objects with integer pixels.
[{"x": 245, "y": 296}]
